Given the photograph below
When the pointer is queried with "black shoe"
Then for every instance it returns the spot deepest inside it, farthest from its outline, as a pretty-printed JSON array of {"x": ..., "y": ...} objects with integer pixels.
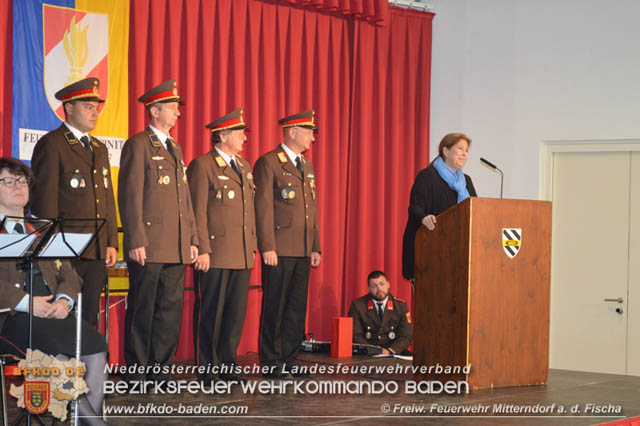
[
  {"x": 209, "y": 377},
  {"x": 302, "y": 375},
  {"x": 299, "y": 373},
  {"x": 229, "y": 377},
  {"x": 277, "y": 375}
]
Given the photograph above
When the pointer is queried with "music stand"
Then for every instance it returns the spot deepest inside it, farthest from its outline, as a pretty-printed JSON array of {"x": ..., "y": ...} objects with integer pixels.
[{"x": 52, "y": 245}]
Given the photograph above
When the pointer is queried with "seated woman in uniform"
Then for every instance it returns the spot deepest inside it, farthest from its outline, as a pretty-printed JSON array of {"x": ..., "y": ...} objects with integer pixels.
[{"x": 55, "y": 288}]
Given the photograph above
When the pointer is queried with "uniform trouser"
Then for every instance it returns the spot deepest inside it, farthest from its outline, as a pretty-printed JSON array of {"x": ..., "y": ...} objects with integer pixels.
[
  {"x": 218, "y": 314},
  {"x": 154, "y": 310},
  {"x": 284, "y": 308},
  {"x": 94, "y": 278}
]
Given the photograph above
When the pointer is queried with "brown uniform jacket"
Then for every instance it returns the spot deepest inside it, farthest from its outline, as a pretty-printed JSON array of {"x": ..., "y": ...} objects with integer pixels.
[
  {"x": 154, "y": 200},
  {"x": 286, "y": 206},
  {"x": 63, "y": 280},
  {"x": 224, "y": 212},
  {"x": 70, "y": 186},
  {"x": 394, "y": 331}
]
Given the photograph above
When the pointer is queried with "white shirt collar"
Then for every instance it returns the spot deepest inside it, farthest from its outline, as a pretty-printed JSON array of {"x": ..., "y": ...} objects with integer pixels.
[
  {"x": 292, "y": 155},
  {"x": 225, "y": 156},
  {"x": 162, "y": 136},
  {"x": 384, "y": 302},
  {"x": 9, "y": 224},
  {"x": 77, "y": 133}
]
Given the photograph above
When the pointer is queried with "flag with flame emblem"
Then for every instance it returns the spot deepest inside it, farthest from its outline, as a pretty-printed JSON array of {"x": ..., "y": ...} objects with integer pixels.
[
  {"x": 76, "y": 46},
  {"x": 58, "y": 44}
]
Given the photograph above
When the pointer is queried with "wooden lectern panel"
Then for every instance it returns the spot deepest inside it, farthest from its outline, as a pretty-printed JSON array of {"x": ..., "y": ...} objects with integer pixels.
[
  {"x": 477, "y": 305},
  {"x": 509, "y": 297},
  {"x": 440, "y": 330}
]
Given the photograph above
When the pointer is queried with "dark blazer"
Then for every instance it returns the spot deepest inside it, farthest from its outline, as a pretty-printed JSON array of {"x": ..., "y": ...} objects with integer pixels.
[
  {"x": 369, "y": 329},
  {"x": 430, "y": 194},
  {"x": 154, "y": 200},
  {"x": 224, "y": 211},
  {"x": 69, "y": 185},
  {"x": 286, "y": 205},
  {"x": 59, "y": 280}
]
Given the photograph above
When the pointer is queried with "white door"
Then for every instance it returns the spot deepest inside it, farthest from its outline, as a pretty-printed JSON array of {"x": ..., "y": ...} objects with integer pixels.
[
  {"x": 633, "y": 306},
  {"x": 590, "y": 261}
]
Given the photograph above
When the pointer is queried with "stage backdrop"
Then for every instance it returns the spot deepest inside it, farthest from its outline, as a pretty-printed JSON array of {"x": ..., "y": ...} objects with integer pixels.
[
  {"x": 369, "y": 85},
  {"x": 56, "y": 43},
  {"x": 363, "y": 66}
]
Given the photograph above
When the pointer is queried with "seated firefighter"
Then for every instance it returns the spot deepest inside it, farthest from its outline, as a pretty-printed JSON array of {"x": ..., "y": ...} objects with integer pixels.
[{"x": 381, "y": 320}]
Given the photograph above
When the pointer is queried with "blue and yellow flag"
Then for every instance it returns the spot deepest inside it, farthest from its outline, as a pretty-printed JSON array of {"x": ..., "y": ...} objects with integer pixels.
[{"x": 56, "y": 43}]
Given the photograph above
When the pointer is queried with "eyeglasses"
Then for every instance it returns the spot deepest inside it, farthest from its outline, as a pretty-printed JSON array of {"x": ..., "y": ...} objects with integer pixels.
[{"x": 11, "y": 181}]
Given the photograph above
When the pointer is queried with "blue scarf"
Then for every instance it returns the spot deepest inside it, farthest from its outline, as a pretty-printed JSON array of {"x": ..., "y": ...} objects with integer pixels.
[{"x": 455, "y": 180}]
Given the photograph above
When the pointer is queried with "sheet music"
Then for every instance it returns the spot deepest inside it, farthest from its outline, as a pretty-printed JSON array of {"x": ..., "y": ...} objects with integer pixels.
[
  {"x": 15, "y": 245},
  {"x": 56, "y": 247}
]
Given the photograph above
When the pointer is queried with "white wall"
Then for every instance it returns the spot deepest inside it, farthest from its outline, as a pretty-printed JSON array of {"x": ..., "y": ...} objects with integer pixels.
[{"x": 512, "y": 73}]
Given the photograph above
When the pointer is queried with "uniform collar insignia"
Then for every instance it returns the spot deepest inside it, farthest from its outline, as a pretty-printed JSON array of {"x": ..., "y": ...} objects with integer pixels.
[
  {"x": 71, "y": 138},
  {"x": 282, "y": 157},
  {"x": 220, "y": 161},
  {"x": 154, "y": 138}
]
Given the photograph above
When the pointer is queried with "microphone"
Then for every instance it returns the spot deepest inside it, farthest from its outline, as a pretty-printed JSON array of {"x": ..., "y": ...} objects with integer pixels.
[{"x": 488, "y": 164}]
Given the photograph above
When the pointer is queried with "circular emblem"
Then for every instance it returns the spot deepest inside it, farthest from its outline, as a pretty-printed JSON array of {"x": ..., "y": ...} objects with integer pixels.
[
  {"x": 392, "y": 335},
  {"x": 292, "y": 194},
  {"x": 231, "y": 195},
  {"x": 166, "y": 180},
  {"x": 367, "y": 335},
  {"x": 74, "y": 182},
  {"x": 285, "y": 193}
]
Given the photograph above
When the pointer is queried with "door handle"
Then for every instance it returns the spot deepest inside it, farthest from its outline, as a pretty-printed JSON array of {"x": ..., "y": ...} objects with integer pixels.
[{"x": 619, "y": 300}]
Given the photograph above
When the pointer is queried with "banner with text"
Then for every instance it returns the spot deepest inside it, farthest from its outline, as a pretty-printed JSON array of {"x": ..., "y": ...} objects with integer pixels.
[{"x": 56, "y": 43}]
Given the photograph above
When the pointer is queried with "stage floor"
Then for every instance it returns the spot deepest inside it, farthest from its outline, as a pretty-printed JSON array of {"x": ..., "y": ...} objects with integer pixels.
[{"x": 565, "y": 389}]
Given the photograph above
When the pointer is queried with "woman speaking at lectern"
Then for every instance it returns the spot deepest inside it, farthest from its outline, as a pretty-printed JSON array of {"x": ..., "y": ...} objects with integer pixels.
[{"x": 436, "y": 188}]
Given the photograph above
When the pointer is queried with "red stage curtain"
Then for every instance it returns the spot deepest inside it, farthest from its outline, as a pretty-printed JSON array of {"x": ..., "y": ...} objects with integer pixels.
[
  {"x": 371, "y": 10},
  {"x": 368, "y": 84},
  {"x": 389, "y": 144},
  {"x": 6, "y": 74}
]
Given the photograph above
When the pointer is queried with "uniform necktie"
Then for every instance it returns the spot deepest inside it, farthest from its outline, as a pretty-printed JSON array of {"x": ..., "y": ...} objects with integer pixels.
[
  {"x": 380, "y": 310},
  {"x": 85, "y": 143},
  {"x": 18, "y": 228},
  {"x": 171, "y": 149},
  {"x": 299, "y": 165},
  {"x": 234, "y": 166},
  {"x": 87, "y": 146}
]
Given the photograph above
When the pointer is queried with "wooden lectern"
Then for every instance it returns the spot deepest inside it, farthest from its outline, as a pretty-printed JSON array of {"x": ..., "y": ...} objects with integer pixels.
[{"x": 481, "y": 298}]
